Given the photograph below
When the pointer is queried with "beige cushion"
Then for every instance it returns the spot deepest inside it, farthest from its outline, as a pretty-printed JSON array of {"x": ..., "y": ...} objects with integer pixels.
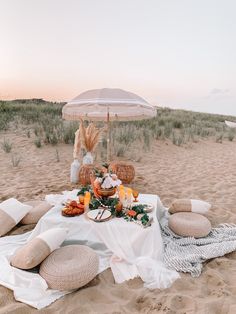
[
  {"x": 39, "y": 208},
  {"x": 189, "y": 225},
  {"x": 11, "y": 212},
  {"x": 189, "y": 205},
  {"x": 30, "y": 255},
  {"x": 37, "y": 249},
  {"x": 70, "y": 267}
]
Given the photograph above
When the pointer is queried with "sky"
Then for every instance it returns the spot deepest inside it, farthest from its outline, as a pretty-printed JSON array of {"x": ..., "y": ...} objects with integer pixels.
[{"x": 173, "y": 53}]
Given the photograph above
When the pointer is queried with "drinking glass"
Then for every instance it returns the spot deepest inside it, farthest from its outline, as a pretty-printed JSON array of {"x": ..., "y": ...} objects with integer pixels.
[{"x": 135, "y": 195}]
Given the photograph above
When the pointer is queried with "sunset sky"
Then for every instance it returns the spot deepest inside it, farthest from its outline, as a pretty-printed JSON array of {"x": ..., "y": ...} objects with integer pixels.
[{"x": 175, "y": 53}]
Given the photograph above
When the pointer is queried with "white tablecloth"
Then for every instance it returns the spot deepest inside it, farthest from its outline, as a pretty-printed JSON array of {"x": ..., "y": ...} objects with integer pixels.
[{"x": 129, "y": 249}]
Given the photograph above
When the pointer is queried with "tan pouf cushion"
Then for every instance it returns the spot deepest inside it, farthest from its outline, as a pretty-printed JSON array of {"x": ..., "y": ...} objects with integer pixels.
[
  {"x": 39, "y": 208},
  {"x": 70, "y": 267},
  {"x": 189, "y": 205},
  {"x": 189, "y": 225},
  {"x": 37, "y": 249}
]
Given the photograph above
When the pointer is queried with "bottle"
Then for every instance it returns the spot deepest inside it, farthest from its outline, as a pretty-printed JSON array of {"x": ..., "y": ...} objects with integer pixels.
[{"x": 74, "y": 171}]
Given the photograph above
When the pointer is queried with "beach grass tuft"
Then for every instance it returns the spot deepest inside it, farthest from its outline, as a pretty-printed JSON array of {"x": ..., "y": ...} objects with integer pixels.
[
  {"x": 15, "y": 160},
  {"x": 37, "y": 142},
  {"x": 6, "y": 145}
]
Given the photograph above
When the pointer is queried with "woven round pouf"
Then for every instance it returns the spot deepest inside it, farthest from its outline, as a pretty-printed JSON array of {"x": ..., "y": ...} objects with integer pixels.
[
  {"x": 189, "y": 225},
  {"x": 69, "y": 267},
  {"x": 124, "y": 171},
  {"x": 85, "y": 173}
]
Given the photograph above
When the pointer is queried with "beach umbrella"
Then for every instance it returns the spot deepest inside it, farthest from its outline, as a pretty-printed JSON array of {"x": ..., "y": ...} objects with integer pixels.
[{"x": 108, "y": 104}]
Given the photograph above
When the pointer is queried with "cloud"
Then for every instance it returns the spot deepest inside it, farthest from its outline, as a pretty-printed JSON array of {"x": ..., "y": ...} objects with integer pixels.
[{"x": 219, "y": 91}]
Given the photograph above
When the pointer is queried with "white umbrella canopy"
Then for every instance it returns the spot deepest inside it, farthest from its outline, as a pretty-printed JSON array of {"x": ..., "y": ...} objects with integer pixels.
[
  {"x": 95, "y": 104},
  {"x": 110, "y": 104}
]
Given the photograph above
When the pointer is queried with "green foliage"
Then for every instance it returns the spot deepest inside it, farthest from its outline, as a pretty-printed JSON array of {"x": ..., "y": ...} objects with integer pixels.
[
  {"x": 15, "y": 160},
  {"x": 57, "y": 155},
  {"x": 94, "y": 203},
  {"x": 231, "y": 135},
  {"x": 37, "y": 142},
  {"x": 120, "y": 150},
  {"x": 105, "y": 165},
  {"x": 44, "y": 119},
  {"x": 6, "y": 145},
  {"x": 86, "y": 188},
  {"x": 104, "y": 143},
  {"x": 219, "y": 138},
  {"x": 139, "y": 208},
  {"x": 68, "y": 132},
  {"x": 146, "y": 139},
  {"x": 28, "y": 133}
]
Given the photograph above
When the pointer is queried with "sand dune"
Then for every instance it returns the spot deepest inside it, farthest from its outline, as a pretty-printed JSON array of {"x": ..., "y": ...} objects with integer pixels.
[{"x": 206, "y": 170}]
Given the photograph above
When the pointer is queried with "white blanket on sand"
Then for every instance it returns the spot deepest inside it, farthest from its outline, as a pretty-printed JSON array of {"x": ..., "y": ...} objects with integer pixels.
[
  {"x": 122, "y": 253},
  {"x": 133, "y": 252}
]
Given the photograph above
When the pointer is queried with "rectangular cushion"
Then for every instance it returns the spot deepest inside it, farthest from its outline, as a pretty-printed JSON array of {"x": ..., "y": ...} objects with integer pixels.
[
  {"x": 37, "y": 249},
  {"x": 11, "y": 212}
]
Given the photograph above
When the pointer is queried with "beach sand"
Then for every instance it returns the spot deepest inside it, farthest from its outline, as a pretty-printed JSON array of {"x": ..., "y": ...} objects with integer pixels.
[{"x": 205, "y": 170}]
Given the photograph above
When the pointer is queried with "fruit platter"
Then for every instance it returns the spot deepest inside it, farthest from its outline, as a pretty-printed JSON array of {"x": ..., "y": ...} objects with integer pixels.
[{"x": 72, "y": 208}]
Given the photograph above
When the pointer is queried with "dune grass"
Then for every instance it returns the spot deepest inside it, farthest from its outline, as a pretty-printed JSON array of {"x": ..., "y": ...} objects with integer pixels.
[
  {"x": 6, "y": 145},
  {"x": 42, "y": 120}
]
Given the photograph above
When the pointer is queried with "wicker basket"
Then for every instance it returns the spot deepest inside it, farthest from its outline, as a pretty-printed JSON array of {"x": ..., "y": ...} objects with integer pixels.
[
  {"x": 85, "y": 173},
  {"x": 106, "y": 192},
  {"x": 124, "y": 171}
]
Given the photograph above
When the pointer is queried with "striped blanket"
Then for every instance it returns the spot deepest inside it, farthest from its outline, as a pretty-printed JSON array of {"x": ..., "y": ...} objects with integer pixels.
[{"x": 188, "y": 254}]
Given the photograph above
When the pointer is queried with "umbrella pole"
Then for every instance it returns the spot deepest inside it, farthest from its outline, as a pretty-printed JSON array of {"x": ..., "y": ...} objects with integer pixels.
[{"x": 108, "y": 137}]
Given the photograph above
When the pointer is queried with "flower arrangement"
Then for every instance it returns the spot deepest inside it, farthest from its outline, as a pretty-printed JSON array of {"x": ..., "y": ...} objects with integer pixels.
[{"x": 104, "y": 182}]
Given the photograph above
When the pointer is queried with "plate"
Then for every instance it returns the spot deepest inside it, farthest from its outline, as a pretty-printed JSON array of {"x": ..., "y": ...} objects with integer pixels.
[{"x": 96, "y": 214}]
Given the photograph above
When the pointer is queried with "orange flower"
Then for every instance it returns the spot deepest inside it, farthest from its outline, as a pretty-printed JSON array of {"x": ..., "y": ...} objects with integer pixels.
[{"x": 131, "y": 213}]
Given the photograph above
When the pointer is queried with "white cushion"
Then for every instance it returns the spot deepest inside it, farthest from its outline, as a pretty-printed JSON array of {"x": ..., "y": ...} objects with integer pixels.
[
  {"x": 189, "y": 205},
  {"x": 15, "y": 209},
  {"x": 54, "y": 237},
  {"x": 11, "y": 212},
  {"x": 200, "y": 207}
]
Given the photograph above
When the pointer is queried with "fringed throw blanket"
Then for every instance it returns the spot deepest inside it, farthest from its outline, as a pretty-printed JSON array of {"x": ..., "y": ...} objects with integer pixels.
[{"x": 188, "y": 254}]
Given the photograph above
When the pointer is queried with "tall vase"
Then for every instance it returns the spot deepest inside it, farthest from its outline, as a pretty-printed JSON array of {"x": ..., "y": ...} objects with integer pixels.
[
  {"x": 88, "y": 159},
  {"x": 74, "y": 171}
]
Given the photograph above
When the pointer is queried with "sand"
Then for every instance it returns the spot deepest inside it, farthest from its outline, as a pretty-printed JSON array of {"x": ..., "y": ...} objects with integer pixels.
[{"x": 205, "y": 170}]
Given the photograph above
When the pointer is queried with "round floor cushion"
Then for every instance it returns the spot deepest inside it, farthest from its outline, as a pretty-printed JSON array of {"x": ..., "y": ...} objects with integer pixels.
[
  {"x": 189, "y": 225},
  {"x": 69, "y": 267}
]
